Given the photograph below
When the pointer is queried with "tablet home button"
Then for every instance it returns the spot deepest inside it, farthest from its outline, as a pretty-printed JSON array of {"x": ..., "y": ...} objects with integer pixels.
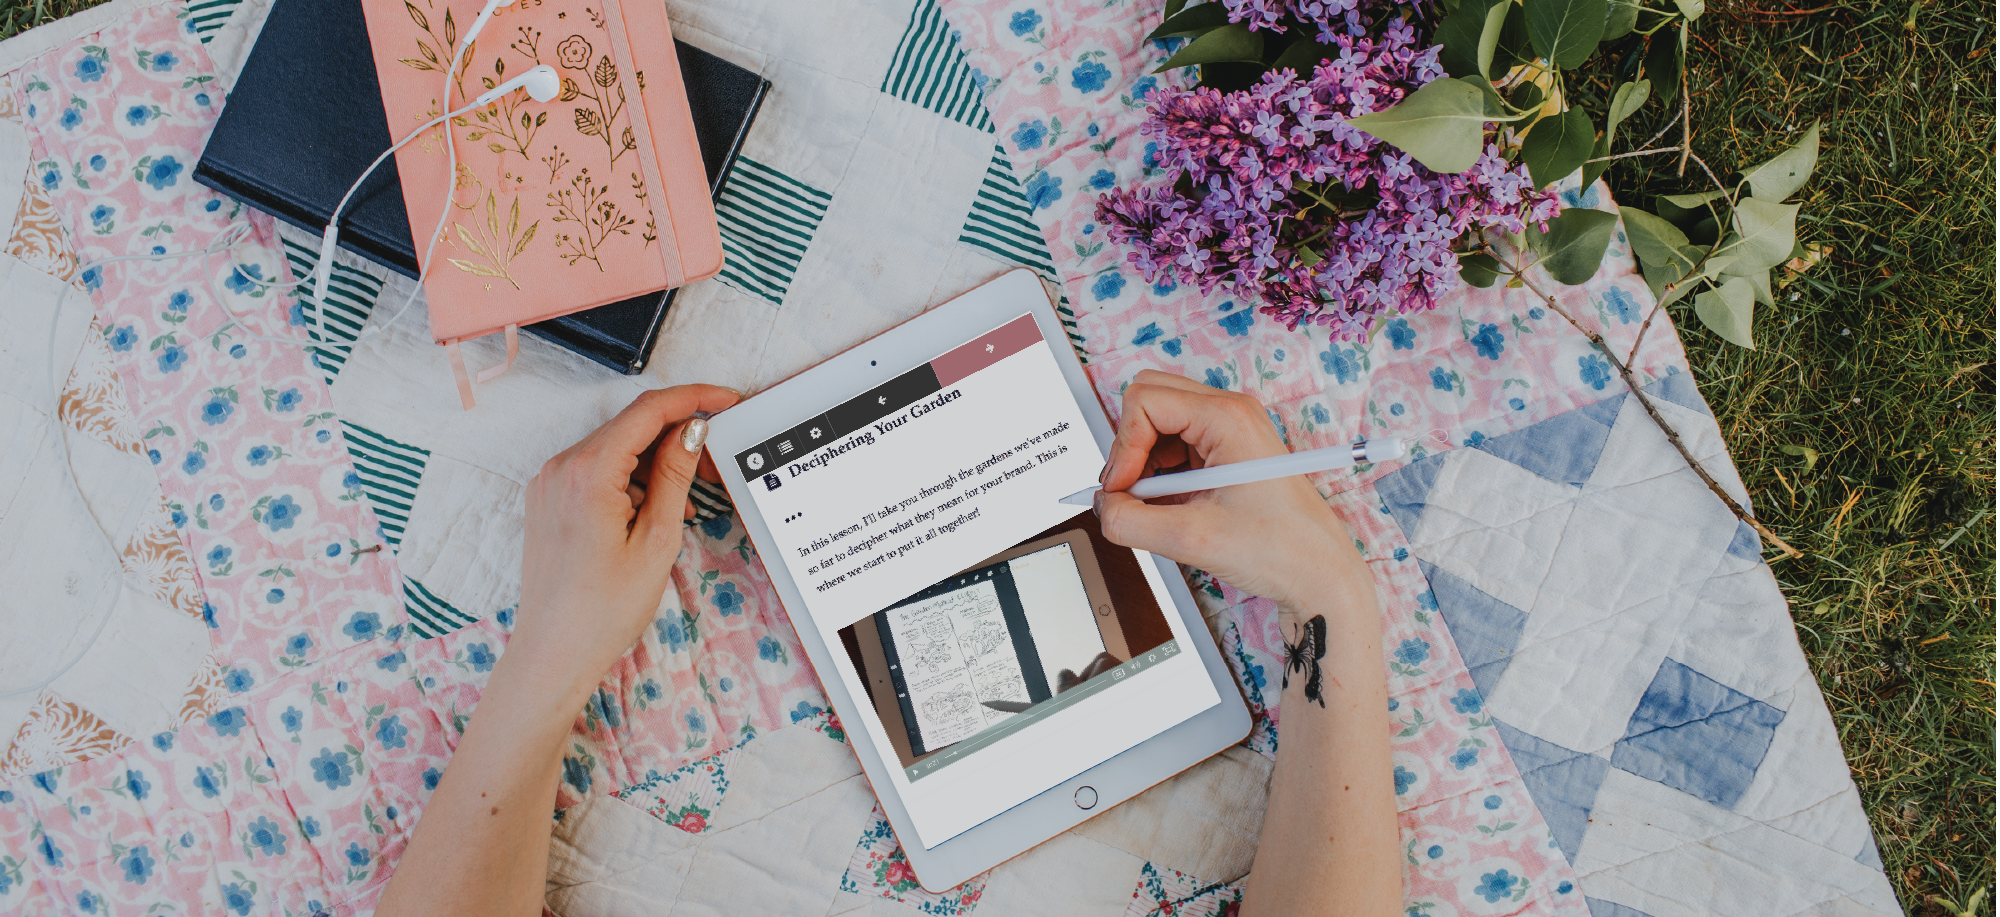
[{"x": 1086, "y": 797}]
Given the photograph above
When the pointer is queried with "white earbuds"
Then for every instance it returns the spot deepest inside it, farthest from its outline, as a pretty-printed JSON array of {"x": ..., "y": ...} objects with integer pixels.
[
  {"x": 541, "y": 81},
  {"x": 492, "y": 6},
  {"x": 542, "y": 84}
]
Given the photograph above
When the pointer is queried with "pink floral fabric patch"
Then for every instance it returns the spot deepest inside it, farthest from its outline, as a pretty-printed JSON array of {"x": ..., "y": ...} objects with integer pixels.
[{"x": 297, "y": 788}]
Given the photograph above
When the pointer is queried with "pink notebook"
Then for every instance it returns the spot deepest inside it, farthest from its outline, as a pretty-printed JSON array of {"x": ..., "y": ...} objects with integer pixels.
[{"x": 593, "y": 198}]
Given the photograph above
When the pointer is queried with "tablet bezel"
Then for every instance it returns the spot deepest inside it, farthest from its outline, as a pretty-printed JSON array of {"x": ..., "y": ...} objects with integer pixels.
[{"x": 872, "y": 363}]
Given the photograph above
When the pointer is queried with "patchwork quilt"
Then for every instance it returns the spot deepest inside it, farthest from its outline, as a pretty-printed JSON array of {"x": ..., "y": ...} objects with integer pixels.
[{"x": 1599, "y": 704}]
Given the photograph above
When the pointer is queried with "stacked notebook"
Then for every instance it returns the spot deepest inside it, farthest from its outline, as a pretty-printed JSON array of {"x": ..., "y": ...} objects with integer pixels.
[{"x": 316, "y": 56}]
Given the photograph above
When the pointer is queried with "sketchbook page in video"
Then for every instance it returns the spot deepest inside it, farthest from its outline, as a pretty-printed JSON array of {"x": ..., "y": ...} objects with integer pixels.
[
  {"x": 1057, "y": 607},
  {"x": 956, "y": 653}
]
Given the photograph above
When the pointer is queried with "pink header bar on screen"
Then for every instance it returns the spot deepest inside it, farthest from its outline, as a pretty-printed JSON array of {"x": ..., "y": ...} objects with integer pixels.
[{"x": 987, "y": 349}]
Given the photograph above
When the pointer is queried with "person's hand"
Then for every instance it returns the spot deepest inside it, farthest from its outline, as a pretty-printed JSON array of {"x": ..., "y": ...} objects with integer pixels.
[
  {"x": 1104, "y": 662},
  {"x": 604, "y": 523},
  {"x": 1276, "y": 539}
]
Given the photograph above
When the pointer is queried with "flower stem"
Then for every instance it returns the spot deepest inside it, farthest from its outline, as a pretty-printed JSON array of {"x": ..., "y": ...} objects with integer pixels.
[{"x": 1625, "y": 372}]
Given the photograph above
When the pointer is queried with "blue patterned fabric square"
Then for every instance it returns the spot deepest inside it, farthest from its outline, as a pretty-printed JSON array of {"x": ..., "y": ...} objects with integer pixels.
[
  {"x": 1697, "y": 735},
  {"x": 1485, "y": 628},
  {"x": 1563, "y": 448},
  {"x": 1564, "y": 784},
  {"x": 1602, "y": 908},
  {"x": 1405, "y": 491}
]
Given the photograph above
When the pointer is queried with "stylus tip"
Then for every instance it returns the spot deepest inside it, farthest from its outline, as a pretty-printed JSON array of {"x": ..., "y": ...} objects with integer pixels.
[{"x": 1081, "y": 497}]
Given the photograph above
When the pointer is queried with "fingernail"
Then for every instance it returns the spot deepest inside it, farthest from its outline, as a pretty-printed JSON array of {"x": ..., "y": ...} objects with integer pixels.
[
  {"x": 1097, "y": 503},
  {"x": 739, "y": 394},
  {"x": 694, "y": 434},
  {"x": 1105, "y": 473}
]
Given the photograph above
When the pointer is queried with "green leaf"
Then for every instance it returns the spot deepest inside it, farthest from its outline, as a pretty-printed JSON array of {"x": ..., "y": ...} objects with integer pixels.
[
  {"x": 1663, "y": 65},
  {"x": 1515, "y": 47},
  {"x": 1528, "y": 97},
  {"x": 1460, "y": 34},
  {"x": 1229, "y": 43},
  {"x": 1626, "y": 102},
  {"x": 1727, "y": 311},
  {"x": 1785, "y": 173},
  {"x": 1598, "y": 163},
  {"x": 1470, "y": 35},
  {"x": 1655, "y": 241},
  {"x": 1192, "y": 21},
  {"x": 1302, "y": 56},
  {"x": 1620, "y": 19},
  {"x": 1760, "y": 283},
  {"x": 1685, "y": 209},
  {"x": 1692, "y": 9},
  {"x": 1489, "y": 35},
  {"x": 1565, "y": 32},
  {"x": 1720, "y": 261},
  {"x": 1690, "y": 201},
  {"x": 1808, "y": 453},
  {"x": 1558, "y": 146},
  {"x": 1308, "y": 257},
  {"x": 1480, "y": 270},
  {"x": 1767, "y": 232},
  {"x": 1496, "y": 108},
  {"x": 1574, "y": 245},
  {"x": 1442, "y": 125},
  {"x": 1174, "y": 8}
]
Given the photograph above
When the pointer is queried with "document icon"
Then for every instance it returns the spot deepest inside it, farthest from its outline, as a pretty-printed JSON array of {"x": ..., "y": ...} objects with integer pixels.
[{"x": 771, "y": 482}]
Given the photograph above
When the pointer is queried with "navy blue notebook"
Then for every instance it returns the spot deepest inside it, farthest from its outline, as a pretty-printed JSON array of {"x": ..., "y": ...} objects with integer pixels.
[{"x": 306, "y": 118}]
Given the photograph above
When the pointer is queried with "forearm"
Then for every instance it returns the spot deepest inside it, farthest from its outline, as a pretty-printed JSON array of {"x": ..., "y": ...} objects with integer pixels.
[
  {"x": 482, "y": 846},
  {"x": 1330, "y": 838}
]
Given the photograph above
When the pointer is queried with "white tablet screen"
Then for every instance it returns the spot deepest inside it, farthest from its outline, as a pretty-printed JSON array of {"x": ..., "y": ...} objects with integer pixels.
[{"x": 999, "y": 678}]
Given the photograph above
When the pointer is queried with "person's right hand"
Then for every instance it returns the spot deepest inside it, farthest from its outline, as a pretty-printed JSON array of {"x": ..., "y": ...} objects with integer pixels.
[{"x": 1276, "y": 539}]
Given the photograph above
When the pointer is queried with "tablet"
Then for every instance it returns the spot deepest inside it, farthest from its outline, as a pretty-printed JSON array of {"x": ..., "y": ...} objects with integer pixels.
[{"x": 1003, "y": 670}]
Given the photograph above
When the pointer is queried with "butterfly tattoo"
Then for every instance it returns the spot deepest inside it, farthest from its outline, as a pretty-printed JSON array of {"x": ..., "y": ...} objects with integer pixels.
[{"x": 1304, "y": 656}]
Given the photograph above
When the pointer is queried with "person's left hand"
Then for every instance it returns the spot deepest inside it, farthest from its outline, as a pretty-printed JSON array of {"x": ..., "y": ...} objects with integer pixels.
[{"x": 604, "y": 525}]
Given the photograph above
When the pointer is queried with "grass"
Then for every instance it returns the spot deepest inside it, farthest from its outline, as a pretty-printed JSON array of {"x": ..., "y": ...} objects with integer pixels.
[
  {"x": 1864, "y": 423},
  {"x": 1882, "y": 367},
  {"x": 21, "y": 15}
]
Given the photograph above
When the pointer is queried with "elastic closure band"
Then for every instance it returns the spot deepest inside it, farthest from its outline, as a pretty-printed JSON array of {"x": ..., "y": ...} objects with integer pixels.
[
  {"x": 513, "y": 350},
  {"x": 656, "y": 184},
  {"x": 458, "y": 373},
  {"x": 486, "y": 375}
]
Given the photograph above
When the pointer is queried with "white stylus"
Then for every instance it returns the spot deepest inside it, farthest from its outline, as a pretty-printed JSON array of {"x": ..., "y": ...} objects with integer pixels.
[{"x": 1331, "y": 458}]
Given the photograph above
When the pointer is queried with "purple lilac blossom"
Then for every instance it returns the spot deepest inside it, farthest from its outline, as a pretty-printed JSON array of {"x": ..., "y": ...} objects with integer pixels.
[
  {"x": 1332, "y": 17},
  {"x": 1235, "y": 204}
]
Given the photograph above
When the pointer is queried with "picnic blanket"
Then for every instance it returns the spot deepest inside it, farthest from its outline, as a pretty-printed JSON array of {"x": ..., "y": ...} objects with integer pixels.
[{"x": 1600, "y": 706}]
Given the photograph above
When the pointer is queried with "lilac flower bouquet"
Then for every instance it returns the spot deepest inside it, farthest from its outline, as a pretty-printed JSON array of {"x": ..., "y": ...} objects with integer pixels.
[
  {"x": 1394, "y": 149},
  {"x": 1273, "y": 194}
]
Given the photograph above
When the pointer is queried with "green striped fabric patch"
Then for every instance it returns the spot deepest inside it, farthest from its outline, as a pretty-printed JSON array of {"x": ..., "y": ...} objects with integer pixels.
[
  {"x": 1002, "y": 226},
  {"x": 710, "y": 501},
  {"x": 1067, "y": 316},
  {"x": 206, "y": 16},
  {"x": 430, "y": 616},
  {"x": 390, "y": 472},
  {"x": 767, "y": 220},
  {"x": 929, "y": 70},
  {"x": 350, "y": 297}
]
